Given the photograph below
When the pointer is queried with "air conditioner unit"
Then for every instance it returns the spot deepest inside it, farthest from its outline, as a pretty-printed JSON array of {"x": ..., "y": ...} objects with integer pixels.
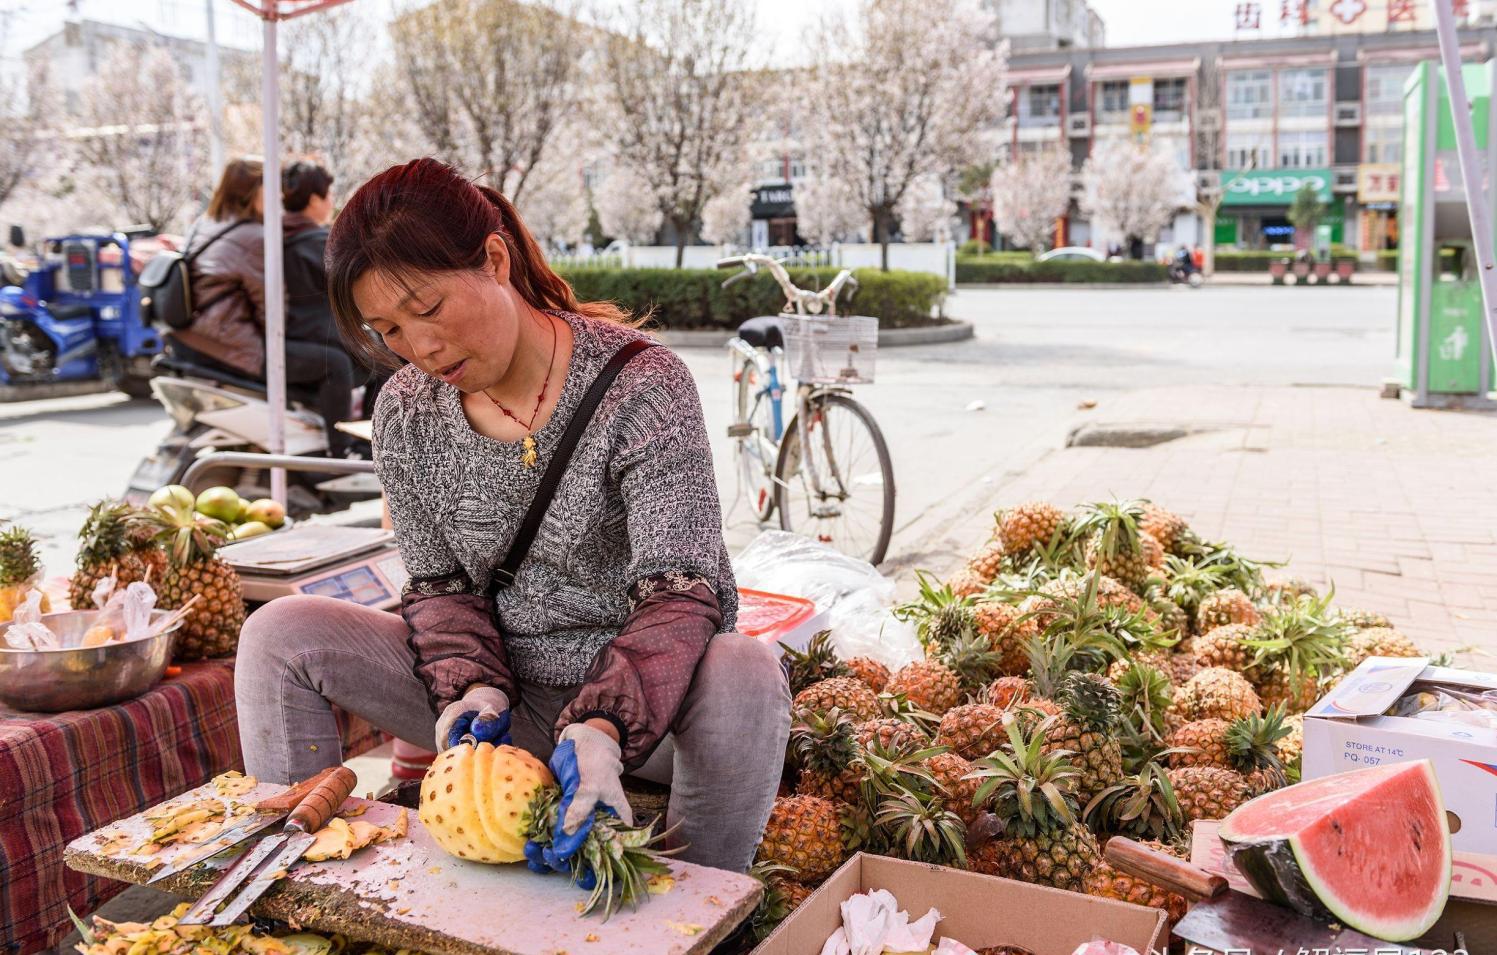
[
  {"x": 1079, "y": 125},
  {"x": 1348, "y": 114},
  {"x": 1346, "y": 179},
  {"x": 1208, "y": 120},
  {"x": 1208, "y": 179}
]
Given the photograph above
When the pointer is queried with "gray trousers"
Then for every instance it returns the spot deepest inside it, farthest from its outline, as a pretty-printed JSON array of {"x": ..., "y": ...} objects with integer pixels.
[{"x": 299, "y": 656}]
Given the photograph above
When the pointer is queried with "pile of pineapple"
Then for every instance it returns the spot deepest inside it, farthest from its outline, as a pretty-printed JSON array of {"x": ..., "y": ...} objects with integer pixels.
[
  {"x": 1089, "y": 674},
  {"x": 172, "y": 548}
]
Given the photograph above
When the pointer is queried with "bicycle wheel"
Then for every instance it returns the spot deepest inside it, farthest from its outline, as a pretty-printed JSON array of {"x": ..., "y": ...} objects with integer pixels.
[
  {"x": 754, "y": 451},
  {"x": 853, "y": 510}
]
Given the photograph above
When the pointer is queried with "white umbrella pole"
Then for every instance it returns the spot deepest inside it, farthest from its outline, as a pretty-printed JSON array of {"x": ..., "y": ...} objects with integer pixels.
[{"x": 275, "y": 297}]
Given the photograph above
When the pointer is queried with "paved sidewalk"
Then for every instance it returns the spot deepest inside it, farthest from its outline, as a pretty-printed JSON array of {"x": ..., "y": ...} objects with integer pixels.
[{"x": 1397, "y": 507}]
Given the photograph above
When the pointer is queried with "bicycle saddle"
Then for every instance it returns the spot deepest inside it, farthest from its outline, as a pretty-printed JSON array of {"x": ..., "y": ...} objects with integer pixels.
[{"x": 765, "y": 331}]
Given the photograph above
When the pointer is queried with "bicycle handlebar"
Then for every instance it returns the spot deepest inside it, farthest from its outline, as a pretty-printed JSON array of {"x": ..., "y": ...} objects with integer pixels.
[
  {"x": 797, "y": 300},
  {"x": 731, "y": 262}
]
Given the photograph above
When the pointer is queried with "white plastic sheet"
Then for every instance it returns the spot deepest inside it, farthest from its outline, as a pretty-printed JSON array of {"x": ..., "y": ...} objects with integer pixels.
[{"x": 856, "y": 598}]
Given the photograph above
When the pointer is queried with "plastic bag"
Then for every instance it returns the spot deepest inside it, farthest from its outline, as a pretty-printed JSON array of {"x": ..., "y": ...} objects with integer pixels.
[
  {"x": 856, "y": 598},
  {"x": 873, "y": 923},
  {"x": 1448, "y": 704},
  {"x": 140, "y": 600},
  {"x": 26, "y": 631}
]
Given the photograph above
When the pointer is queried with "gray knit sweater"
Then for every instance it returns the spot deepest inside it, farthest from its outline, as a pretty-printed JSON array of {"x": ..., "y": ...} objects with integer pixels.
[{"x": 638, "y": 500}]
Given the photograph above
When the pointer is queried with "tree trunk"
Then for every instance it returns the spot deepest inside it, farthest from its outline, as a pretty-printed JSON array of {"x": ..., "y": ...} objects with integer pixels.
[
  {"x": 1208, "y": 225},
  {"x": 881, "y": 236}
]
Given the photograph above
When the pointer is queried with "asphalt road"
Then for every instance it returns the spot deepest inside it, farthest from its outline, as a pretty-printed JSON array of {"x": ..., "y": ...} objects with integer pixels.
[{"x": 1037, "y": 354}]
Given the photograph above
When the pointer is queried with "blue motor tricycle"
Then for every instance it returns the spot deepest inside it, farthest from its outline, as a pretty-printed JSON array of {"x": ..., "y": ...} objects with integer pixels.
[{"x": 74, "y": 319}]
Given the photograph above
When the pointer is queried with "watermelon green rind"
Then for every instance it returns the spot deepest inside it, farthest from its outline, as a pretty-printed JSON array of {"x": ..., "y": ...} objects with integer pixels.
[{"x": 1353, "y": 811}]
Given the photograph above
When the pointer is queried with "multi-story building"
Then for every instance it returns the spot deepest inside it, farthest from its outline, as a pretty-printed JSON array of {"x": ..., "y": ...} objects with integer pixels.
[
  {"x": 76, "y": 53},
  {"x": 1256, "y": 117},
  {"x": 1048, "y": 24}
]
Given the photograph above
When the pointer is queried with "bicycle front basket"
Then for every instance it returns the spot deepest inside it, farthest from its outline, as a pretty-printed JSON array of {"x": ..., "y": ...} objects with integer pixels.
[{"x": 837, "y": 350}]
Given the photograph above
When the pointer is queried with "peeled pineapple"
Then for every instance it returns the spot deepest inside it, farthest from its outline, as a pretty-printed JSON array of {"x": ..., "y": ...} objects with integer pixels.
[{"x": 475, "y": 800}]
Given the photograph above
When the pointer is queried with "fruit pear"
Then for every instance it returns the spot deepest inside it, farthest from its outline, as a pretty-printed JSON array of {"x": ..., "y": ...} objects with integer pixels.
[
  {"x": 251, "y": 529},
  {"x": 173, "y": 495},
  {"x": 266, "y": 511},
  {"x": 219, "y": 503}
]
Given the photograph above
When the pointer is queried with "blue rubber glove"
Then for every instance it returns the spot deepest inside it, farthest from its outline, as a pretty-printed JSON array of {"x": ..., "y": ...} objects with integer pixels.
[
  {"x": 482, "y": 712},
  {"x": 587, "y": 767}
]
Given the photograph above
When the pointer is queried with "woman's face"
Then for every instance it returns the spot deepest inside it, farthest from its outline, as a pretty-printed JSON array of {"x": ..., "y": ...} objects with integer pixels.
[{"x": 460, "y": 327}]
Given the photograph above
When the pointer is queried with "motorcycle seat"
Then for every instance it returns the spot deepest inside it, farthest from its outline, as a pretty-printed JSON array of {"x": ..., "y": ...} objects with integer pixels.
[
  {"x": 766, "y": 331},
  {"x": 65, "y": 311}
]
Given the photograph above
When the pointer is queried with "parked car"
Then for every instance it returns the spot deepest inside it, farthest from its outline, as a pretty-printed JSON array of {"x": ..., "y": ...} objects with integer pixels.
[{"x": 1073, "y": 253}]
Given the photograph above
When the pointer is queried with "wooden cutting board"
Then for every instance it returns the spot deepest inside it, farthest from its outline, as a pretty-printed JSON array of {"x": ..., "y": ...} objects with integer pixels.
[{"x": 410, "y": 894}]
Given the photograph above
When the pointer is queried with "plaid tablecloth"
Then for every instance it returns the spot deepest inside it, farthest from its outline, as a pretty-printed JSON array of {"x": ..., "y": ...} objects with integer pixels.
[{"x": 66, "y": 774}]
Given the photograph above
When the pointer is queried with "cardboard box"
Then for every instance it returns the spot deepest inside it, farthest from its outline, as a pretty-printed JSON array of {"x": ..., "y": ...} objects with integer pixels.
[
  {"x": 976, "y": 910},
  {"x": 1347, "y": 730}
]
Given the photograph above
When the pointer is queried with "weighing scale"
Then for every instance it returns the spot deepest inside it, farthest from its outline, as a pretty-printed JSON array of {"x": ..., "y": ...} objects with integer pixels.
[{"x": 358, "y": 564}]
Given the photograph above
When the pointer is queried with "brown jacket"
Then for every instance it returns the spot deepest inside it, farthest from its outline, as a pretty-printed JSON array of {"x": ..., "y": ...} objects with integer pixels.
[{"x": 229, "y": 276}]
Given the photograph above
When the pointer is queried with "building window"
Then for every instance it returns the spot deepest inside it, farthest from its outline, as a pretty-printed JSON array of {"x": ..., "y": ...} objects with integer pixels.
[
  {"x": 1385, "y": 88},
  {"x": 1302, "y": 93},
  {"x": 1382, "y": 144},
  {"x": 1169, "y": 100},
  {"x": 797, "y": 168},
  {"x": 1249, "y": 94},
  {"x": 1040, "y": 106},
  {"x": 1245, "y": 150},
  {"x": 772, "y": 170},
  {"x": 1302, "y": 150},
  {"x": 1112, "y": 101}
]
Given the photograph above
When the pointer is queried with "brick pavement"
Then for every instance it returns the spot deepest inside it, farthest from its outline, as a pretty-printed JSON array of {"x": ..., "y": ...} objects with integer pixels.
[{"x": 1397, "y": 507}]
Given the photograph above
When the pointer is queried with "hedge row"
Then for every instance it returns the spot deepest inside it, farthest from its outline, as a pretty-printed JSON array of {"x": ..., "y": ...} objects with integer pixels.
[
  {"x": 695, "y": 298},
  {"x": 985, "y": 270}
]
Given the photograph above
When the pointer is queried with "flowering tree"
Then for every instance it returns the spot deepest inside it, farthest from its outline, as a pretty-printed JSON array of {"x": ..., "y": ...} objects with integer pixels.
[
  {"x": 827, "y": 210},
  {"x": 925, "y": 212},
  {"x": 1029, "y": 193},
  {"x": 490, "y": 82},
  {"x": 554, "y": 205},
  {"x": 894, "y": 98},
  {"x": 27, "y": 111},
  {"x": 678, "y": 102},
  {"x": 142, "y": 148},
  {"x": 726, "y": 216},
  {"x": 626, "y": 209},
  {"x": 1133, "y": 189}
]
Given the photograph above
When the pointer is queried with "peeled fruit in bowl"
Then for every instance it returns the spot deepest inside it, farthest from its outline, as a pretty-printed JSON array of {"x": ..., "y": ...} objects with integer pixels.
[
  {"x": 173, "y": 495},
  {"x": 266, "y": 511},
  {"x": 219, "y": 503},
  {"x": 251, "y": 529}
]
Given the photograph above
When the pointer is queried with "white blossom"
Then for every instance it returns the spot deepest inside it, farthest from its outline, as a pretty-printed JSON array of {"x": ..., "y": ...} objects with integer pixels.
[
  {"x": 925, "y": 212},
  {"x": 554, "y": 205},
  {"x": 827, "y": 210},
  {"x": 1133, "y": 189},
  {"x": 726, "y": 216},
  {"x": 1029, "y": 193},
  {"x": 626, "y": 209},
  {"x": 907, "y": 89}
]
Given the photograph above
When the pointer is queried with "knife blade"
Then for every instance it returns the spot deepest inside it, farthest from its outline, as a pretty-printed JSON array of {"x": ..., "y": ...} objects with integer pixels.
[
  {"x": 259, "y": 868},
  {"x": 272, "y": 810}
]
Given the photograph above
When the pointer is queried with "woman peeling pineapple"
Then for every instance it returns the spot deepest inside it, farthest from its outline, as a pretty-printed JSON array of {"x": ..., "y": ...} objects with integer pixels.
[{"x": 611, "y": 641}]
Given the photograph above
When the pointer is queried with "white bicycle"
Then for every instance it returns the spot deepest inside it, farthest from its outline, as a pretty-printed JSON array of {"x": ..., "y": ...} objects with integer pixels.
[{"x": 828, "y": 473}]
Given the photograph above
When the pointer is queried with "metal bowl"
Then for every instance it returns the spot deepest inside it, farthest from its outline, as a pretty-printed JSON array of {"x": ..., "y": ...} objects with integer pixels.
[{"x": 50, "y": 681}]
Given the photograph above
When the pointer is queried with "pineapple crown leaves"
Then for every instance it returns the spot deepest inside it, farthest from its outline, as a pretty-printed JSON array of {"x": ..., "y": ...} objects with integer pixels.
[
  {"x": 620, "y": 859},
  {"x": 824, "y": 742},
  {"x": 939, "y": 615},
  {"x": 18, "y": 560},
  {"x": 1114, "y": 525},
  {"x": 1236, "y": 570},
  {"x": 1303, "y": 637},
  {"x": 1079, "y": 620},
  {"x": 889, "y": 771},
  {"x": 917, "y": 826},
  {"x": 1029, "y": 789},
  {"x": 1142, "y": 805},
  {"x": 1188, "y": 582},
  {"x": 898, "y": 706},
  {"x": 972, "y": 658},
  {"x": 106, "y": 532},
  {"x": 1089, "y": 700},
  {"x": 1064, "y": 553},
  {"x": 1050, "y": 658},
  {"x": 773, "y": 905},
  {"x": 817, "y": 662},
  {"x": 1251, "y": 739},
  {"x": 1145, "y": 696},
  {"x": 188, "y": 537}
]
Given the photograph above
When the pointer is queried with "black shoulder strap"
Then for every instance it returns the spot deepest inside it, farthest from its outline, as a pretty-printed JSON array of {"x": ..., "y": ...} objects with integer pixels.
[
  {"x": 557, "y": 467},
  {"x": 212, "y": 239}
]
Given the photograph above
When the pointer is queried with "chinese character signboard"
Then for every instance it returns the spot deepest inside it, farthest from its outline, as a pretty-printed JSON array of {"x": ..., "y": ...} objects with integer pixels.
[
  {"x": 1377, "y": 182},
  {"x": 1273, "y": 187},
  {"x": 1249, "y": 16}
]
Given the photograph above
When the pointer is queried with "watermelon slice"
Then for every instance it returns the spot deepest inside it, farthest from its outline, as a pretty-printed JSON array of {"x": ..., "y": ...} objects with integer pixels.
[{"x": 1368, "y": 848}]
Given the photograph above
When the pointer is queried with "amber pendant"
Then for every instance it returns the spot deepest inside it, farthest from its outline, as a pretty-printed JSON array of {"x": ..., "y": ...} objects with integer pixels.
[{"x": 528, "y": 457}]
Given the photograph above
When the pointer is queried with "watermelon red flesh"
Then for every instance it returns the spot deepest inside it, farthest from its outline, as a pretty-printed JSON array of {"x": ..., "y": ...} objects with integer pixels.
[{"x": 1370, "y": 848}]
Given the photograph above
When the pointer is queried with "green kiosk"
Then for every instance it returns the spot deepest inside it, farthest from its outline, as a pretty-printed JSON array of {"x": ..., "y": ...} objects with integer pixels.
[{"x": 1444, "y": 354}]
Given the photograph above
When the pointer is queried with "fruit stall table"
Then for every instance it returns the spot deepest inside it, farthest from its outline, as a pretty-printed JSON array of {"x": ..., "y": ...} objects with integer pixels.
[
  {"x": 408, "y": 893},
  {"x": 66, "y": 774}
]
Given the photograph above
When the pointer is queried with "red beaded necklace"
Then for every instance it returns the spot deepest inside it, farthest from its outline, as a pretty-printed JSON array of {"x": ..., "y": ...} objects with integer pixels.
[{"x": 528, "y": 454}]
